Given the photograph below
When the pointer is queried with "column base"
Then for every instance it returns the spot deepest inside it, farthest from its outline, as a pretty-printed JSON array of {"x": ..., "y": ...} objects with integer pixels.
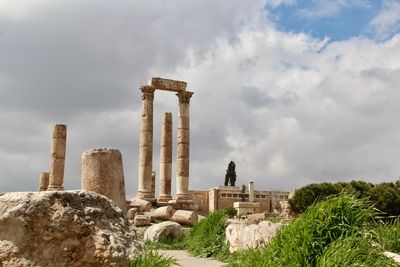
[
  {"x": 164, "y": 199},
  {"x": 55, "y": 188},
  {"x": 148, "y": 196},
  {"x": 182, "y": 198}
]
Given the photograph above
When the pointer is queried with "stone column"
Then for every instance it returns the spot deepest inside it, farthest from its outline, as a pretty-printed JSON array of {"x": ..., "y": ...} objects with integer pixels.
[
  {"x": 251, "y": 191},
  {"x": 146, "y": 145},
  {"x": 182, "y": 164},
  {"x": 58, "y": 148},
  {"x": 103, "y": 173},
  {"x": 166, "y": 159},
  {"x": 44, "y": 181}
]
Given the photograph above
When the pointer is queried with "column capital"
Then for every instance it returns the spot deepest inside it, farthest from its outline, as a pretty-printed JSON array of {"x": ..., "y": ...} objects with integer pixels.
[
  {"x": 147, "y": 92},
  {"x": 184, "y": 96}
]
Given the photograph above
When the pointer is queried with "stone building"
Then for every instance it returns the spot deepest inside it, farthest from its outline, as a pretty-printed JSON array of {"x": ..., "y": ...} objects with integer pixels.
[{"x": 222, "y": 197}]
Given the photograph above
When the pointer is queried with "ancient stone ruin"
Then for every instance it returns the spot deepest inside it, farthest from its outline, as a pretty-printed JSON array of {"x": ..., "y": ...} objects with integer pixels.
[{"x": 145, "y": 182}]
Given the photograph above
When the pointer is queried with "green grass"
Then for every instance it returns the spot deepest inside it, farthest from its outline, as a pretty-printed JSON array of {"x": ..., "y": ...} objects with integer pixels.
[
  {"x": 207, "y": 237},
  {"x": 357, "y": 251},
  {"x": 305, "y": 239},
  {"x": 342, "y": 230},
  {"x": 151, "y": 258}
]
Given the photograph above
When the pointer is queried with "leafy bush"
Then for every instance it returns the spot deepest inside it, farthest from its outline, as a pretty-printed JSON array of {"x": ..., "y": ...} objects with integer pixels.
[
  {"x": 303, "y": 241},
  {"x": 385, "y": 196},
  {"x": 152, "y": 258},
  {"x": 231, "y": 212}
]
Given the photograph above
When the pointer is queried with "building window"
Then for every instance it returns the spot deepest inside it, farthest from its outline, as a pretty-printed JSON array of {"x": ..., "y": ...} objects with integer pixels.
[
  {"x": 223, "y": 195},
  {"x": 229, "y": 195},
  {"x": 262, "y": 196},
  {"x": 257, "y": 196}
]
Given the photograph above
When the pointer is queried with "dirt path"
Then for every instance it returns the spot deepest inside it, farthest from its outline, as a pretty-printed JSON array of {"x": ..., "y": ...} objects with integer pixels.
[{"x": 185, "y": 260}]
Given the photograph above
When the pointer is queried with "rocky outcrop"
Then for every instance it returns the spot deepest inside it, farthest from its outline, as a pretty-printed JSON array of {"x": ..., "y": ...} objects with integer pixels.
[
  {"x": 64, "y": 228},
  {"x": 242, "y": 236},
  {"x": 156, "y": 232}
]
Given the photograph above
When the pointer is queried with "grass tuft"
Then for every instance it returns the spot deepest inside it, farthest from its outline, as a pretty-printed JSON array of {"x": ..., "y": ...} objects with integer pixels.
[{"x": 151, "y": 258}]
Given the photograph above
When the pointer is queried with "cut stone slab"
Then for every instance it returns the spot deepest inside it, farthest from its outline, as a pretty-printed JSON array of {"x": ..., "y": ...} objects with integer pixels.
[
  {"x": 185, "y": 217},
  {"x": 141, "y": 220},
  {"x": 167, "y": 84},
  {"x": 64, "y": 228}
]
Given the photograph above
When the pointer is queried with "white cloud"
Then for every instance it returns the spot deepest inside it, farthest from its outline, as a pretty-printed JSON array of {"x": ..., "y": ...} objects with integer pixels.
[{"x": 387, "y": 21}]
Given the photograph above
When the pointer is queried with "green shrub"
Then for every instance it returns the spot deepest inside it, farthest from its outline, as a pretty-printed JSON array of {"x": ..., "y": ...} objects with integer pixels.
[
  {"x": 231, "y": 212},
  {"x": 152, "y": 258},
  {"x": 305, "y": 239},
  {"x": 385, "y": 196}
]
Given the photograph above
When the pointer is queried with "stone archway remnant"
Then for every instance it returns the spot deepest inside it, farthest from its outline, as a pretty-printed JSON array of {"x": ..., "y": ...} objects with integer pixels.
[{"x": 146, "y": 143}]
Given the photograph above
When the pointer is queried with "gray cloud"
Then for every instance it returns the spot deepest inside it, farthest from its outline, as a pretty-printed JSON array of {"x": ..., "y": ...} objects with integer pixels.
[{"x": 325, "y": 114}]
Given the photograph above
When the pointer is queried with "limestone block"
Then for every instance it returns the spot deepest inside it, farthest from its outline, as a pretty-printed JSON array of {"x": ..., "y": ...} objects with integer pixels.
[
  {"x": 162, "y": 230},
  {"x": 164, "y": 213},
  {"x": 64, "y": 228},
  {"x": 44, "y": 181},
  {"x": 186, "y": 217},
  {"x": 141, "y": 204},
  {"x": 102, "y": 172},
  {"x": 241, "y": 236},
  {"x": 167, "y": 84},
  {"x": 131, "y": 213},
  {"x": 141, "y": 220}
]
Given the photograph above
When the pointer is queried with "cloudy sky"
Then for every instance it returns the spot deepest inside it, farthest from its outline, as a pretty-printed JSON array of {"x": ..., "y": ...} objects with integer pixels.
[{"x": 293, "y": 91}]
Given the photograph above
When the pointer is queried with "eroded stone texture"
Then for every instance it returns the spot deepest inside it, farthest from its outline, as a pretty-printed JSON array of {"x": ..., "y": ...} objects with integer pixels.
[
  {"x": 186, "y": 217},
  {"x": 64, "y": 228},
  {"x": 44, "y": 181},
  {"x": 102, "y": 172},
  {"x": 167, "y": 84},
  {"x": 242, "y": 236},
  {"x": 163, "y": 213},
  {"x": 58, "y": 150},
  {"x": 146, "y": 145},
  {"x": 182, "y": 164},
  {"x": 162, "y": 230},
  {"x": 166, "y": 159},
  {"x": 141, "y": 204}
]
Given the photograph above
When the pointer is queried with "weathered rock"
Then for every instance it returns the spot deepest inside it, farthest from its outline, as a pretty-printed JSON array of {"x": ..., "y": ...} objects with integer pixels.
[
  {"x": 163, "y": 213},
  {"x": 64, "y": 228},
  {"x": 141, "y": 220},
  {"x": 186, "y": 217},
  {"x": 141, "y": 204},
  {"x": 159, "y": 231},
  {"x": 131, "y": 213},
  {"x": 394, "y": 256},
  {"x": 241, "y": 236},
  {"x": 103, "y": 173}
]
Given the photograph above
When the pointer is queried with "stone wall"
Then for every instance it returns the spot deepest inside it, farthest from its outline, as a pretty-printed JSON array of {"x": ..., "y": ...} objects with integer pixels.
[{"x": 201, "y": 198}]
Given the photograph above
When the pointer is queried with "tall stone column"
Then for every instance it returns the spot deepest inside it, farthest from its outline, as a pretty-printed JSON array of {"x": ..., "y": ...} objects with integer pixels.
[
  {"x": 166, "y": 159},
  {"x": 58, "y": 148},
  {"x": 182, "y": 164},
  {"x": 146, "y": 145}
]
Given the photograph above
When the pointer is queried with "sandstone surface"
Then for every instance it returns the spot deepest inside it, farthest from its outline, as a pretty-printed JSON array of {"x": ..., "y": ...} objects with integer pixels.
[
  {"x": 64, "y": 228},
  {"x": 242, "y": 236},
  {"x": 156, "y": 232}
]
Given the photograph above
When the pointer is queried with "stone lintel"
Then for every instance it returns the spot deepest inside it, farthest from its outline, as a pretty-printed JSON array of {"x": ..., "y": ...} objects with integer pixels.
[{"x": 167, "y": 84}]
